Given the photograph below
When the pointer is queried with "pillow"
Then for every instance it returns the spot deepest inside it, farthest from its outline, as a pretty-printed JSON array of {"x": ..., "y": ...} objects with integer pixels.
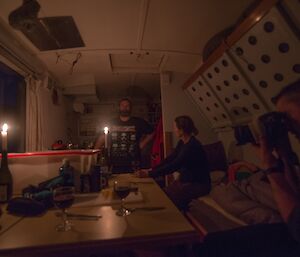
[{"x": 237, "y": 203}]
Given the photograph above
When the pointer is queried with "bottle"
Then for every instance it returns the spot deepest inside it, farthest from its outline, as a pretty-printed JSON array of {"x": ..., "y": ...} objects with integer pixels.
[
  {"x": 6, "y": 180},
  {"x": 104, "y": 161},
  {"x": 67, "y": 172},
  {"x": 95, "y": 179}
]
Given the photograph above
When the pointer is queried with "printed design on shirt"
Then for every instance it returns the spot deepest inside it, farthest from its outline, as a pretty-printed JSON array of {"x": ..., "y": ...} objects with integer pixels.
[
  {"x": 123, "y": 129},
  {"x": 123, "y": 144}
]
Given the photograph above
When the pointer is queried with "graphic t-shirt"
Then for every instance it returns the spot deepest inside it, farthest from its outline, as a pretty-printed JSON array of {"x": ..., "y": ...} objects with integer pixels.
[{"x": 125, "y": 137}]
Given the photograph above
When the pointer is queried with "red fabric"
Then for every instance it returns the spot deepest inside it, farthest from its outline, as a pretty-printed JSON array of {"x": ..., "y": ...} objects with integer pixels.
[
  {"x": 232, "y": 170},
  {"x": 157, "y": 148}
]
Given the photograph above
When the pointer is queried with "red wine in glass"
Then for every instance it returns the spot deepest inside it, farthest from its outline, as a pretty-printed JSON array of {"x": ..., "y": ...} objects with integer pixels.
[
  {"x": 122, "y": 191},
  {"x": 63, "y": 201}
]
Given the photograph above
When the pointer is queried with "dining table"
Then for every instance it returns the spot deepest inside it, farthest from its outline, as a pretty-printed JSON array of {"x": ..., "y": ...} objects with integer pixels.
[{"x": 154, "y": 223}]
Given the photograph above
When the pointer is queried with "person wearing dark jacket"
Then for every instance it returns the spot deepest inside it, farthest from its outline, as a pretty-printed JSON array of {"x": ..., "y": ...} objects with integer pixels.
[{"x": 189, "y": 160}]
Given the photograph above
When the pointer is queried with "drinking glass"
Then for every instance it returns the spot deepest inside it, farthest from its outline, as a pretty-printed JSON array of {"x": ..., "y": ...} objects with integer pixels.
[
  {"x": 122, "y": 190},
  {"x": 63, "y": 198}
]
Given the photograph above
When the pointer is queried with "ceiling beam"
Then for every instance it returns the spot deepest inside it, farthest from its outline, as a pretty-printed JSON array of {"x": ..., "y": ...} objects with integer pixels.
[
  {"x": 142, "y": 23},
  {"x": 118, "y": 51},
  {"x": 135, "y": 70}
]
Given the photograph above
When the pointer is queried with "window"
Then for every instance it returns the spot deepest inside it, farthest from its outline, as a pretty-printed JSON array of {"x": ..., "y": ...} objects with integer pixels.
[{"x": 13, "y": 107}]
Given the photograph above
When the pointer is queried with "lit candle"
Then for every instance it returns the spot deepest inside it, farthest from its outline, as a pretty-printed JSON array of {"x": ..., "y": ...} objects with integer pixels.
[
  {"x": 105, "y": 136},
  {"x": 4, "y": 137}
]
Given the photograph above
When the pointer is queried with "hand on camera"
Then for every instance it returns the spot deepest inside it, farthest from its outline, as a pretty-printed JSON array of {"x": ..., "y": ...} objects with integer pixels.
[{"x": 267, "y": 157}]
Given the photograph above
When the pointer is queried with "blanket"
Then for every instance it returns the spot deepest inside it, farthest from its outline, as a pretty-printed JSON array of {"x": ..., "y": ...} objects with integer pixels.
[{"x": 250, "y": 200}]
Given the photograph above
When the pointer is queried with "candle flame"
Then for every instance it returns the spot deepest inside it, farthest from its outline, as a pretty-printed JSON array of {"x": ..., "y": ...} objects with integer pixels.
[
  {"x": 105, "y": 130},
  {"x": 4, "y": 127}
]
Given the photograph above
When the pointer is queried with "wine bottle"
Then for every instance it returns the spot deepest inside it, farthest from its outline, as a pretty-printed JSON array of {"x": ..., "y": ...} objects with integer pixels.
[
  {"x": 67, "y": 172},
  {"x": 104, "y": 161},
  {"x": 6, "y": 180}
]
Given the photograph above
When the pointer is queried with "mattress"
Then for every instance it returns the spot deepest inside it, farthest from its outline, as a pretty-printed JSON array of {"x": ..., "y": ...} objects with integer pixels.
[{"x": 210, "y": 217}]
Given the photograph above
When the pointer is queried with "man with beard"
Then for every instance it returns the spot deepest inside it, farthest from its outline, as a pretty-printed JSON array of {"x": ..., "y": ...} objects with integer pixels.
[{"x": 127, "y": 137}]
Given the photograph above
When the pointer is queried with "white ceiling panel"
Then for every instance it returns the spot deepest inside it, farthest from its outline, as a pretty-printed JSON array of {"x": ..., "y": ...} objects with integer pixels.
[
  {"x": 187, "y": 25},
  {"x": 145, "y": 60},
  {"x": 180, "y": 62},
  {"x": 60, "y": 63},
  {"x": 103, "y": 24},
  {"x": 173, "y": 32}
]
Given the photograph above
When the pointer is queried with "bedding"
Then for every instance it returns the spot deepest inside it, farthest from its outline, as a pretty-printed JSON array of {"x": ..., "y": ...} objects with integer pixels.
[
  {"x": 236, "y": 204},
  {"x": 211, "y": 217},
  {"x": 213, "y": 204},
  {"x": 250, "y": 200}
]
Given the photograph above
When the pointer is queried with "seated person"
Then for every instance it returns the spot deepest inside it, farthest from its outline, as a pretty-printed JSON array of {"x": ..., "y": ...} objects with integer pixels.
[{"x": 190, "y": 160}]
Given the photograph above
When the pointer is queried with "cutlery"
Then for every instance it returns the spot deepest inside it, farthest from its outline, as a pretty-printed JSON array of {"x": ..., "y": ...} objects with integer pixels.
[
  {"x": 154, "y": 208},
  {"x": 141, "y": 182},
  {"x": 81, "y": 216}
]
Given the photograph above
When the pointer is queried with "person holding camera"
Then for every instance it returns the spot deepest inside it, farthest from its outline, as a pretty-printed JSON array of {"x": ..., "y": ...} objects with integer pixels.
[
  {"x": 279, "y": 163},
  {"x": 280, "y": 173}
]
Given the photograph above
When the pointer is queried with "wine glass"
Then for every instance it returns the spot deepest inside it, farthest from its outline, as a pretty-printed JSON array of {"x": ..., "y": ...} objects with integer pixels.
[
  {"x": 63, "y": 198},
  {"x": 122, "y": 190}
]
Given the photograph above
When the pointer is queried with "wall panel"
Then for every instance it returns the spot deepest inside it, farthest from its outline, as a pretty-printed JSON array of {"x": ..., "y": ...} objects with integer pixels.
[
  {"x": 210, "y": 105},
  {"x": 269, "y": 55}
]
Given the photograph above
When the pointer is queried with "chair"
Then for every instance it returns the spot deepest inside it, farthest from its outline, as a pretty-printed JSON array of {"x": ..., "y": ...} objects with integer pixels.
[{"x": 216, "y": 156}]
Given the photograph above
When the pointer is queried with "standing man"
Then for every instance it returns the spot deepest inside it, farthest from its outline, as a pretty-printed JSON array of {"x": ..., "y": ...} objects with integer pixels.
[{"x": 128, "y": 136}]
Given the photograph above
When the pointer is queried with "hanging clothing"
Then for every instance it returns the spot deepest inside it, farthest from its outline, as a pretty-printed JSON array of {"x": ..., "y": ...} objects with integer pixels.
[{"x": 157, "y": 152}]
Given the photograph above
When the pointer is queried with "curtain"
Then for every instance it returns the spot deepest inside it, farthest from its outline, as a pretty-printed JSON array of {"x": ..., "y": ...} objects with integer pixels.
[{"x": 34, "y": 114}]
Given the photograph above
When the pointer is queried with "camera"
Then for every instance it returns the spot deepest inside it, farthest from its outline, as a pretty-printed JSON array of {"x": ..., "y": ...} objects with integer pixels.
[{"x": 274, "y": 127}]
